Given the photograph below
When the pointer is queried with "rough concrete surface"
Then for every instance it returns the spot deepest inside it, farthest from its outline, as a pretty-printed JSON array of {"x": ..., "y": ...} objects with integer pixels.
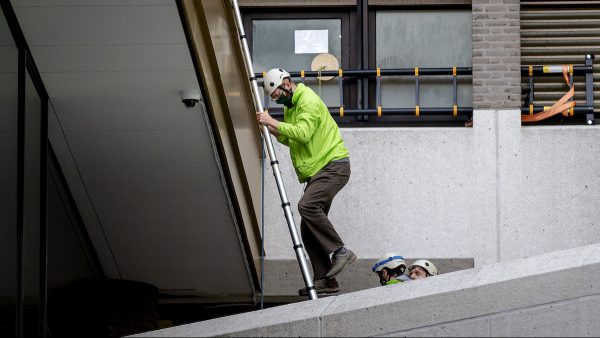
[
  {"x": 555, "y": 293},
  {"x": 494, "y": 192}
]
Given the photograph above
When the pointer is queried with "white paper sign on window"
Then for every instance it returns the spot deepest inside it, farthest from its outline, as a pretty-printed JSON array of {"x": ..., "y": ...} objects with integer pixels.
[{"x": 311, "y": 41}]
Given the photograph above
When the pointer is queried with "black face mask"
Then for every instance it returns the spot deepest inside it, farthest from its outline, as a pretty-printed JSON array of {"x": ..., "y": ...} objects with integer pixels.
[{"x": 285, "y": 100}]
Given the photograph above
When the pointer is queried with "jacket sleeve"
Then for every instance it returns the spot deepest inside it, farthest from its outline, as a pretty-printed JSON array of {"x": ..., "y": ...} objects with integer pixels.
[
  {"x": 283, "y": 140},
  {"x": 307, "y": 121}
]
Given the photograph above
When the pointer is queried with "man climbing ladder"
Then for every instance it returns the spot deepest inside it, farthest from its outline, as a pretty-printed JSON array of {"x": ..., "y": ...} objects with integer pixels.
[{"x": 321, "y": 160}]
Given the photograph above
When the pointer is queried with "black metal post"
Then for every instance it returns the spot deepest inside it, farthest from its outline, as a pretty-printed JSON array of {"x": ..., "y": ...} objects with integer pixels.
[
  {"x": 531, "y": 88},
  {"x": 341, "y": 85},
  {"x": 378, "y": 92},
  {"x": 43, "y": 219},
  {"x": 365, "y": 51},
  {"x": 589, "y": 88},
  {"x": 20, "y": 194},
  {"x": 571, "y": 84},
  {"x": 454, "y": 92},
  {"x": 417, "y": 108}
]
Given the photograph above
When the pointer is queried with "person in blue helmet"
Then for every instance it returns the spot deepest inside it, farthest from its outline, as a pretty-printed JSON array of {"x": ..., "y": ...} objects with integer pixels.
[{"x": 390, "y": 268}]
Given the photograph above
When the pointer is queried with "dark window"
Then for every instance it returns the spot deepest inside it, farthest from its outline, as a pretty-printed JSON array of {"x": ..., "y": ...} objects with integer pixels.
[{"x": 383, "y": 36}]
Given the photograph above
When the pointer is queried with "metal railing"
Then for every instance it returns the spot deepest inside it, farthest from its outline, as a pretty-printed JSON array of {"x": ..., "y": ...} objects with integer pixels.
[
  {"x": 586, "y": 70},
  {"x": 455, "y": 110},
  {"x": 378, "y": 73}
]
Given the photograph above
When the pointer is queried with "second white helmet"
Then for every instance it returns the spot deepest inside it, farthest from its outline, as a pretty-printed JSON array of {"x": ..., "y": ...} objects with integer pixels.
[
  {"x": 426, "y": 265},
  {"x": 390, "y": 261},
  {"x": 273, "y": 79}
]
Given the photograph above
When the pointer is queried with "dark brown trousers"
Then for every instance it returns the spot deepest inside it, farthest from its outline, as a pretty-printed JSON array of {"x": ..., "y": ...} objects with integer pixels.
[{"x": 319, "y": 237}]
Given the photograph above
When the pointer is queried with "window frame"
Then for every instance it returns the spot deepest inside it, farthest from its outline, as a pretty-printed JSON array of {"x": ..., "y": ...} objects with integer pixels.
[
  {"x": 349, "y": 44},
  {"x": 409, "y": 121},
  {"x": 361, "y": 44}
]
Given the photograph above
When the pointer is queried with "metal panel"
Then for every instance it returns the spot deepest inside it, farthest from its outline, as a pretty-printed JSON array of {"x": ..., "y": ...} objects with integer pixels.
[
  {"x": 296, "y": 3},
  {"x": 560, "y": 32},
  {"x": 216, "y": 48}
]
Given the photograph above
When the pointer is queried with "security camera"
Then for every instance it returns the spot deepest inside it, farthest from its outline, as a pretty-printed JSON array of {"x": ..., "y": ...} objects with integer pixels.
[{"x": 190, "y": 98}]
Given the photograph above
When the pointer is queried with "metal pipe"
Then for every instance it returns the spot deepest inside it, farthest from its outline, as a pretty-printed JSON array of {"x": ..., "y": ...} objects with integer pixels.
[
  {"x": 341, "y": 86},
  {"x": 531, "y": 88},
  {"x": 539, "y": 70},
  {"x": 454, "y": 90},
  {"x": 417, "y": 108},
  {"x": 390, "y": 71},
  {"x": 20, "y": 319},
  {"x": 576, "y": 109},
  {"x": 589, "y": 88},
  {"x": 434, "y": 111},
  {"x": 287, "y": 210},
  {"x": 378, "y": 92},
  {"x": 394, "y": 111},
  {"x": 408, "y": 111},
  {"x": 364, "y": 18}
]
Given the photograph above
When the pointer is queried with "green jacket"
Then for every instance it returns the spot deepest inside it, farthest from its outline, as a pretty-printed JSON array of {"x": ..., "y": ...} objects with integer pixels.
[
  {"x": 398, "y": 279},
  {"x": 311, "y": 133}
]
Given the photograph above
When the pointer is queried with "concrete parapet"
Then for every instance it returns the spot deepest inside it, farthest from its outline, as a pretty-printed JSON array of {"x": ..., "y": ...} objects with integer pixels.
[
  {"x": 555, "y": 293},
  {"x": 494, "y": 192}
]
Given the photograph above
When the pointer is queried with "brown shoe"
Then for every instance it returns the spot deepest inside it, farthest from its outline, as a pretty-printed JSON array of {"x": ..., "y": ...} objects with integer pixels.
[
  {"x": 324, "y": 287},
  {"x": 339, "y": 262}
]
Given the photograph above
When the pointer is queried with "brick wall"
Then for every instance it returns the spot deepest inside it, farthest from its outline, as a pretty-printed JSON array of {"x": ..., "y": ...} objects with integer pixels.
[{"x": 496, "y": 54}]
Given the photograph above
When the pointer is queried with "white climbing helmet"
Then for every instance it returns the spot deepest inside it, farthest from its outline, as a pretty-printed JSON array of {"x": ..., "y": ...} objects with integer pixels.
[
  {"x": 390, "y": 261},
  {"x": 426, "y": 265},
  {"x": 273, "y": 79}
]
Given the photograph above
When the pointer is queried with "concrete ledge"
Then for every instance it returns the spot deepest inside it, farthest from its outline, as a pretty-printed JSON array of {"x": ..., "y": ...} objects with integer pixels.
[
  {"x": 555, "y": 293},
  {"x": 557, "y": 319},
  {"x": 283, "y": 277},
  {"x": 297, "y": 319}
]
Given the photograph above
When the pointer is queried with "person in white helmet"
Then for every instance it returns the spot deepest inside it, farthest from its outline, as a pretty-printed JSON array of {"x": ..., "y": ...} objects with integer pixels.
[
  {"x": 390, "y": 269},
  {"x": 321, "y": 160},
  {"x": 422, "y": 268}
]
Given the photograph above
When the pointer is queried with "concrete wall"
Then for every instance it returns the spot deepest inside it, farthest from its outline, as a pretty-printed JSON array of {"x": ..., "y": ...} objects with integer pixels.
[
  {"x": 493, "y": 192},
  {"x": 554, "y": 294}
]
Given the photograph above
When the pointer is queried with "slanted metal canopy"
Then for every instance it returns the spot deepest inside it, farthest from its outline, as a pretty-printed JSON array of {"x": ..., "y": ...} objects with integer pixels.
[{"x": 167, "y": 194}]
